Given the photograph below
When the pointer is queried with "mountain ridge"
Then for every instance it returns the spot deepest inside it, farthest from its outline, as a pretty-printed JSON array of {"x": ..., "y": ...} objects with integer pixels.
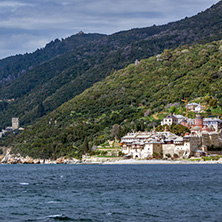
[{"x": 69, "y": 74}]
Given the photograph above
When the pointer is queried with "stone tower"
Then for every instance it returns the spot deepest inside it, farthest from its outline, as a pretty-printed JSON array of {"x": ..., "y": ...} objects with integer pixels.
[
  {"x": 198, "y": 121},
  {"x": 15, "y": 123}
]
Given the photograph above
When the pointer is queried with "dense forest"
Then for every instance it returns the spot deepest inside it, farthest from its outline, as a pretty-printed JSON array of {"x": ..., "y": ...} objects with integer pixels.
[
  {"x": 14, "y": 66},
  {"x": 126, "y": 100},
  {"x": 34, "y": 85}
]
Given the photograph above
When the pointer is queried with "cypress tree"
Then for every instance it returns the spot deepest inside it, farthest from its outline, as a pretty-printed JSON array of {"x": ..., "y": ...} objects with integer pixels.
[{"x": 85, "y": 145}]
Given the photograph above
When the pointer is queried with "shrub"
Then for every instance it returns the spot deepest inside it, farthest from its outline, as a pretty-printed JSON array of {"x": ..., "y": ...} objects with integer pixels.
[
  {"x": 175, "y": 155},
  {"x": 168, "y": 155},
  {"x": 120, "y": 153},
  {"x": 157, "y": 155}
]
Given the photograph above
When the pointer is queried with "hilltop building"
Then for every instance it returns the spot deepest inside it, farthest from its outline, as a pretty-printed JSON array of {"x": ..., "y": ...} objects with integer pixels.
[
  {"x": 195, "y": 107},
  {"x": 204, "y": 124},
  {"x": 208, "y": 124},
  {"x": 137, "y": 62},
  {"x": 169, "y": 120},
  {"x": 15, "y": 123},
  {"x": 216, "y": 123},
  {"x": 15, "y": 126}
]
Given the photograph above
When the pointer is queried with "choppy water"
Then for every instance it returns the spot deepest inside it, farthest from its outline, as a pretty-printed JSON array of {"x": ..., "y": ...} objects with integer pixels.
[{"x": 111, "y": 193}]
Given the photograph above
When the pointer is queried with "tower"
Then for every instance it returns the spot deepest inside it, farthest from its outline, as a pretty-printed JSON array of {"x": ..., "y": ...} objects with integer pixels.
[
  {"x": 15, "y": 123},
  {"x": 198, "y": 121}
]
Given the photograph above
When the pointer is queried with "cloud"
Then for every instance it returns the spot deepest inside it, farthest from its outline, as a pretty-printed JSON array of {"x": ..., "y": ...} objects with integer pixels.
[
  {"x": 13, "y": 4},
  {"x": 44, "y": 20}
]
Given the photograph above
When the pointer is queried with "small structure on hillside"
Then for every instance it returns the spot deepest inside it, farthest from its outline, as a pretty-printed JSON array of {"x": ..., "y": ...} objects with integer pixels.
[
  {"x": 137, "y": 62},
  {"x": 15, "y": 123},
  {"x": 169, "y": 120},
  {"x": 195, "y": 107},
  {"x": 15, "y": 126}
]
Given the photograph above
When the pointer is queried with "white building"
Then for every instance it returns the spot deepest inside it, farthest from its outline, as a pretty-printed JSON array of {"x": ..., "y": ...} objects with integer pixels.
[
  {"x": 195, "y": 107},
  {"x": 180, "y": 118},
  {"x": 169, "y": 120},
  {"x": 216, "y": 123},
  {"x": 143, "y": 145}
]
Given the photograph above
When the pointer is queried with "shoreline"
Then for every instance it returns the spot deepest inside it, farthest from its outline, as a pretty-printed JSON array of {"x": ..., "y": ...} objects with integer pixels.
[
  {"x": 145, "y": 162},
  {"x": 18, "y": 159},
  {"x": 125, "y": 162}
]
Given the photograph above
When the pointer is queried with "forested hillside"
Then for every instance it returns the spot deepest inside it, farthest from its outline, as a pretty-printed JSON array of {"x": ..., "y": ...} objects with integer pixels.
[
  {"x": 15, "y": 66},
  {"x": 125, "y": 100},
  {"x": 47, "y": 85}
]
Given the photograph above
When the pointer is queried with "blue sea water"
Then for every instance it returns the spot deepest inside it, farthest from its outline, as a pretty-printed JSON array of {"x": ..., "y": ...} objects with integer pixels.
[{"x": 111, "y": 193}]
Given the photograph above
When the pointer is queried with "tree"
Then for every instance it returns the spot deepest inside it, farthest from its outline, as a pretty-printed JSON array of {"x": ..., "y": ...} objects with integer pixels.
[
  {"x": 114, "y": 131},
  {"x": 207, "y": 99},
  {"x": 120, "y": 133},
  {"x": 40, "y": 110},
  {"x": 179, "y": 129},
  {"x": 213, "y": 103},
  {"x": 161, "y": 128},
  {"x": 173, "y": 109},
  {"x": 85, "y": 145},
  {"x": 176, "y": 129}
]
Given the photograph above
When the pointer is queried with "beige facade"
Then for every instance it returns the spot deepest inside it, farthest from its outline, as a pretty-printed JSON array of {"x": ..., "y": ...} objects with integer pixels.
[
  {"x": 169, "y": 120},
  {"x": 210, "y": 139},
  {"x": 144, "y": 145},
  {"x": 15, "y": 123}
]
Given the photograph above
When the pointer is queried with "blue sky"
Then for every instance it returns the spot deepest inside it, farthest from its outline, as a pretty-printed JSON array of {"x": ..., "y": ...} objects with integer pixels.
[{"x": 26, "y": 25}]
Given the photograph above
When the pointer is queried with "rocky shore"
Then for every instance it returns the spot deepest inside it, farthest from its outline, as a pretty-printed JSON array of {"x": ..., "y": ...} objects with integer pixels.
[{"x": 18, "y": 159}]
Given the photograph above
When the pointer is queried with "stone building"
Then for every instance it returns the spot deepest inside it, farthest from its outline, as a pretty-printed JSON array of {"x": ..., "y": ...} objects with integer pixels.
[
  {"x": 143, "y": 145},
  {"x": 216, "y": 123},
  {"x": 195, "y": 107},
  {"x": 15, "y": 123},
  {"x": 169, "y": 120}
]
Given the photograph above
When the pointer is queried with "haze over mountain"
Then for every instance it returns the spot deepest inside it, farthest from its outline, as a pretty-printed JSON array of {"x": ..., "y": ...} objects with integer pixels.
[{"x": 64, "y": 72}]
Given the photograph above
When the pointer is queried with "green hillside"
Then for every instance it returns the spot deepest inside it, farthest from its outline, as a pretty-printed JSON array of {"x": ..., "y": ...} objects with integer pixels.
[
  {"x": 125, "y": 100},
  {"x": 69, "y": 70},
  {"x": 15, "y": 66}
]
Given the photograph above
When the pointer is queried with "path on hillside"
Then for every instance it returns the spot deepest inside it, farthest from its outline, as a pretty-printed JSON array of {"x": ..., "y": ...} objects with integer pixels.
[{"x": 155, "y": 116}]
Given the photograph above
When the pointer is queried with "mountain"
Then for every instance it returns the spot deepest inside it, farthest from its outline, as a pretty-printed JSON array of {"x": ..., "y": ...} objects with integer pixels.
[
  {"x": 51, "y": 83},
  {"x": 14, "y": 66},
  {"x": 126, "y": 100}
]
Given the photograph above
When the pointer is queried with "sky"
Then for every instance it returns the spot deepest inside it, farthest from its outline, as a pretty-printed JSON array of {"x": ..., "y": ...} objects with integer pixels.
[{"x": 26, "y": 25}]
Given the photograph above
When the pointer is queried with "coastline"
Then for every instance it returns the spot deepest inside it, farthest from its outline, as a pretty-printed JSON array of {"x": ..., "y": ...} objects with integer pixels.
[
  {"x": 121, "y": 162},
  {"x": 140, "y": 162},
  {"x": 18, "y": 159}
]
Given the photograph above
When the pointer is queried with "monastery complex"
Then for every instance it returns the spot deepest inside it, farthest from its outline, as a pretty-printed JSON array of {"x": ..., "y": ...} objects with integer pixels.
[{"x": 205, "y": 132}]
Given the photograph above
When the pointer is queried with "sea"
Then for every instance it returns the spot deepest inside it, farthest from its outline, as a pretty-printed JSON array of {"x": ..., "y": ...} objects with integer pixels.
[{"x": 111, "y": 192}]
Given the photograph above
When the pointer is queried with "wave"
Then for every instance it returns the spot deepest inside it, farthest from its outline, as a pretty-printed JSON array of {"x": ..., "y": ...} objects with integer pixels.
[
  {"x": 59, "y": 217},
  {"x": 52, "y": 202},
  {"x": 24, "y": 184}
]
